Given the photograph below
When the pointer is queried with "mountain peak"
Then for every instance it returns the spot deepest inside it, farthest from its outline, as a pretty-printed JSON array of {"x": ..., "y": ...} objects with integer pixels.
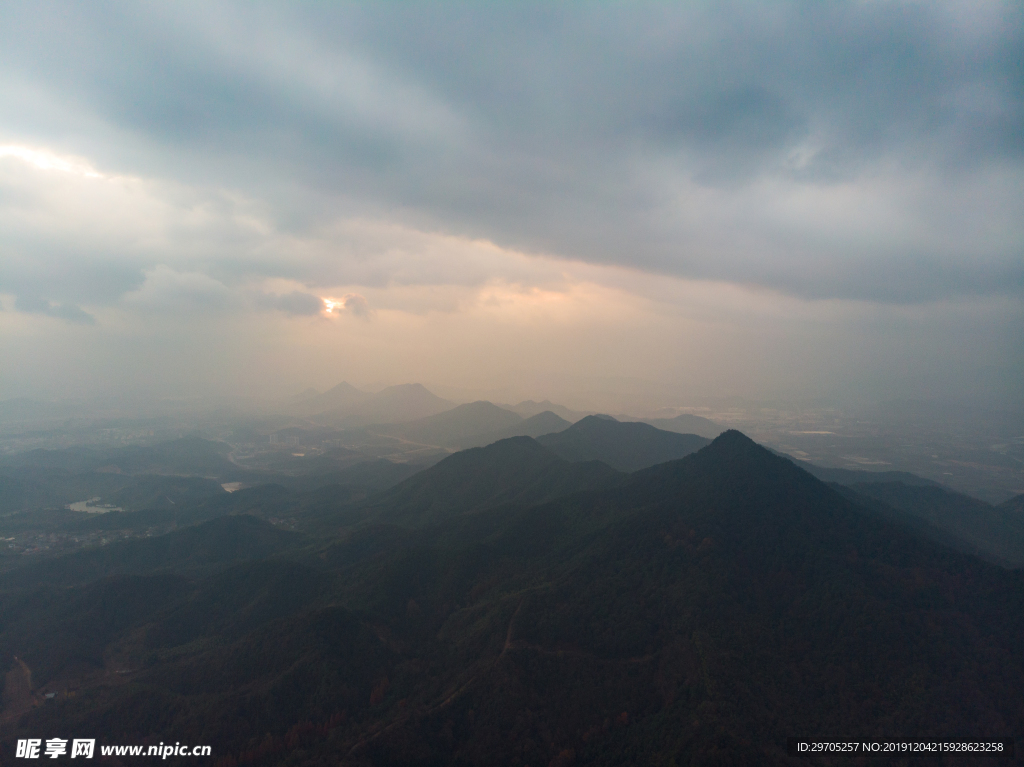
[
  {"x": 483, "y": 406},
  {"x": 733, "y": 445},
  {"x": 732, "y": 438},
  {"x": 624, "y": 446},
  {"x": 395, "y": 404},
  {"x": 407, "y": 387},
  {"x": 731, "y": 455},
  {"x": 516, "y": 470},
  {"x": 451, "y": 428},
  {"x": 687, "y": 423},
  {"x": 600, "y": 423}
]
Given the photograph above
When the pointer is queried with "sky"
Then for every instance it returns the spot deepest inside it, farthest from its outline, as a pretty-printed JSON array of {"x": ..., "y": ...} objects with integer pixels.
[{"x": 658, "y": 201}]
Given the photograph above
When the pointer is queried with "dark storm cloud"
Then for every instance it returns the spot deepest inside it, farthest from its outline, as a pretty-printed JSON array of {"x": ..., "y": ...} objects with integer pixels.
[{"x": 673, "y": 138}]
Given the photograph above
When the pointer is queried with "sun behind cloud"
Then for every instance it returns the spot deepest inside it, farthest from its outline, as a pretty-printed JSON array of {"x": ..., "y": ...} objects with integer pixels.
[{"x": 353, "y": 303}]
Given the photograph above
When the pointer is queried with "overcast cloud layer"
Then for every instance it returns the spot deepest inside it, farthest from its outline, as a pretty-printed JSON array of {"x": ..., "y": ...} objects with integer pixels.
[{"x": 682, "y": 180}]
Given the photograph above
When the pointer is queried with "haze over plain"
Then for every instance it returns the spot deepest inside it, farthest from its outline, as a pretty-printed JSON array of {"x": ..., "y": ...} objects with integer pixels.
[{"x": 517, "y": 200}]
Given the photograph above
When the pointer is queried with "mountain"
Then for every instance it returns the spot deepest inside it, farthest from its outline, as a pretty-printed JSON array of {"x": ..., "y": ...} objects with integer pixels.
[
  {"x": 685, "y": 423},
  {"x": 304, "y": 395},
  {"x": 394, "y": 404},
  {"x": 623, "y": 446},
  {"x": 965, "y": 523},
  {"x": 474, "y": 425},
  {"x": 339, "y": 397},
  {"x": 534, "y": 426},
  {"x": 516, "y": 471},
  {"x": 529, "y": 408},
  {"x": 452, "y": 427},
  {"x": 852, "y": 477},
  {"x": 699, "y": 611},
  {"x": 996, "y": 531}
]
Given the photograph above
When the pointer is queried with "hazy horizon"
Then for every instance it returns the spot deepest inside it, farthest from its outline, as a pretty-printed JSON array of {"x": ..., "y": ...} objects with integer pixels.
[{"x": 650, "y": 205}]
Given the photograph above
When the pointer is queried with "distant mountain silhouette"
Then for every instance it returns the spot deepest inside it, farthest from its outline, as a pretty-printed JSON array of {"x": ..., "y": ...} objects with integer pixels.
[
  {"x": 624, "y": 446},
  {"x": 394, "y": 404},
  {"x": 997, "y": 531},
  {"x": 517, "y": 471},
  {"x": 960, "y": 521},
  {"x": 534, "y": 426},
  {"x": 304, "y": 395},
  {"x": 452, "y": 427},
  {"x": 529, "y": 408},
  {"x": 685, "y": 423},
  {"x": 852, "y": 477},
  {"x": 342, "y": 396}
]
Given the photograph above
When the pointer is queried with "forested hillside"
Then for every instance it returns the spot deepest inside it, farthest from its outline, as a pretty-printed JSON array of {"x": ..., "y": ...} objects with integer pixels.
[{"x": 699, "y": 611}]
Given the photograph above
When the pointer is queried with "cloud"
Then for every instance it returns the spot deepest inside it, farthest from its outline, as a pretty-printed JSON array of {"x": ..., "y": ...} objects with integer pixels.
[
  {"x": 67, "y": 312},
  {"x": 353, "y": 303},
  {"x": 181, "y": 293},
  {"x": 295, "y": 303},
  {"x": 356, "y": 304},
  {"x": 522, "y": 168},
  {"x": 599, "y": 132}
]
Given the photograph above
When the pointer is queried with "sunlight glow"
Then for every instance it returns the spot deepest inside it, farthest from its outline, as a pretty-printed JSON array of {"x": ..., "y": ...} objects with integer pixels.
[{"x": 46, "y": 160}]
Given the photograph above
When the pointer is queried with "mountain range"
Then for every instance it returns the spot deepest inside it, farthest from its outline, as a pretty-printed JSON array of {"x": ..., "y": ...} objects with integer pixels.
[
  {"x": 513, "y": 471},
  {"x": 452, "y": 426},
  {"x": 346, "y": 406},
  {"x": 529, "y": 408},
  {"x": 685, "y": 423},
  {"x": 597, "y": 592},
  {"x": 473, "y": 425},
  {"x": 508, "y": 606}
]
